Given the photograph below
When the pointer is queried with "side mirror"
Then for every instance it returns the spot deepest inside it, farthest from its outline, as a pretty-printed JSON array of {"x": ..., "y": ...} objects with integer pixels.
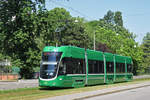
[{"x": 62, "y": 73}]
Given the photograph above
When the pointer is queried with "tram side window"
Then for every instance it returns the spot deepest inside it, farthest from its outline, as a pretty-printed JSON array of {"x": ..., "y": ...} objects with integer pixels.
[
  {"x": 129, "y": 68},
  {"x": 91, "y": 64},
  {"x": 120, "y": 68},
  {"x": 74, "y": 66},
  {"x": 110, "y": 67},
  {"x": 95, "y": 67},
  {"x": 101, "y": 64},
  {"x": 78, "y": 66},
  {"x": 68, "y": 64}
]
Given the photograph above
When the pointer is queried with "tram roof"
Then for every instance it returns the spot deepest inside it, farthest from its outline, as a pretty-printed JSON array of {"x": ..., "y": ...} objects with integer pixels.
[
  {"x": 122, "y": 59},
  {"x": 76, "y": 52},
  {"x": 94, "y": 55},
  {"x": 68, "y": 51}
]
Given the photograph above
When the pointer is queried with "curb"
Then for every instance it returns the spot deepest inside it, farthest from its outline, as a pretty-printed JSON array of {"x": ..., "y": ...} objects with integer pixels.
[{"x": 86, "y": 97}]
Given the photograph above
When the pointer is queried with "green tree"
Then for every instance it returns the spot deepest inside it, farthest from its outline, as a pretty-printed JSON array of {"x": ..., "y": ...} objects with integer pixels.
[
  {"x": 61, "y": 28},
  {"x": 18, "y": 32},
  {"x": 30, "y": 29},
  {"x": 146, "y": 55},
  {"x": 50, "y": 22},
  {"x": 112, "y": 19},
  {"x": 118, "y": 39},
  {"x": 118, "y": 18},
  {"x": 75, "y": 34},
  {"x": 109, "y": 17}
]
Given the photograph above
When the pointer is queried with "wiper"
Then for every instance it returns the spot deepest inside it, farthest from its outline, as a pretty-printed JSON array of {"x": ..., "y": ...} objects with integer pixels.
[{"x": 49, "y": 63}]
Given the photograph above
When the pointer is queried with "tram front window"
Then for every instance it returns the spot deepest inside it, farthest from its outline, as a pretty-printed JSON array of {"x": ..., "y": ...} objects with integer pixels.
[
  {"x": 49, "y": 64},
  {"x": 51, "y": 56},
  {"x": 48, "y": 71}
]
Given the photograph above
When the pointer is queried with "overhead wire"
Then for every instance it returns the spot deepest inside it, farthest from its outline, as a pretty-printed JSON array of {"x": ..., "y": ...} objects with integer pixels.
[
  {"x": 85, "y": 16},
  {"x": 74, "y": 10}
]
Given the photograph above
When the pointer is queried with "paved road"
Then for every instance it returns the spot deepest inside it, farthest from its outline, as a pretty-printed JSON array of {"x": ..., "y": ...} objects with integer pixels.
[
  {"x": 34, "y": 83},
  {"x": 18, "y": 84},
  {"x": 134, "y": 94},
  {"x": 141, "y": 76}
]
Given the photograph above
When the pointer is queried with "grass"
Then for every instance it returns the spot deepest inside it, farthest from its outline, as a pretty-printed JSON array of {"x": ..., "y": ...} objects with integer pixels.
[{"x": 38, "y": 93}]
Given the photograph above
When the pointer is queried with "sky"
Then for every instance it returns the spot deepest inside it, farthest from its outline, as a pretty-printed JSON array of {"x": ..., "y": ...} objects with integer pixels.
[{"x": 136, "y": 13}]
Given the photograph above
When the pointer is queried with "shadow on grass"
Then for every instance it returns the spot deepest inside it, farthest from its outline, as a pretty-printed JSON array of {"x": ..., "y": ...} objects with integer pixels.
[
  {"x": 92, "y": 85},
  {"x": 95, "y": 85},
  {"x": 120, "y": 82},
  {"x": 54, "y": 88},
  {"x": 63, "y": 88}
]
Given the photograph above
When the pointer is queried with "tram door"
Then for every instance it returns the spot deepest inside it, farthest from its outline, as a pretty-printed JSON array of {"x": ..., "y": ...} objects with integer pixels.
[{"x": 109, "y": 72}]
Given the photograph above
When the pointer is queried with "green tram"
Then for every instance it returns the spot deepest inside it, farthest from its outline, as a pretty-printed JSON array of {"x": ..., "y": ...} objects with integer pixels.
[{"x": 69, "y": 66}]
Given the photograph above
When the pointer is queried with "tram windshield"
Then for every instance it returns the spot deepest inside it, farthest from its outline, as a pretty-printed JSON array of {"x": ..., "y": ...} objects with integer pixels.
[{"x": 49, "y": 64}]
